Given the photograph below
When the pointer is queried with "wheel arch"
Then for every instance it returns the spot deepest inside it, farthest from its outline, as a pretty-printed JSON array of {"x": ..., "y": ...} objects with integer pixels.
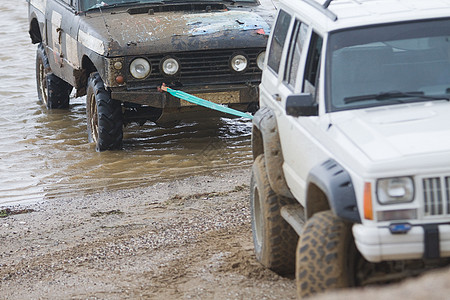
[
  {"x": 316, "y": 200},
  {"x": 88, "y": 65},
  {"x": 35, "y": 31},
  {"x": 82, "y": 75},
  {"x": 266, "y": 140},
  {"x": 329, "y": 186},
  {"x": 257, "y": 142}
]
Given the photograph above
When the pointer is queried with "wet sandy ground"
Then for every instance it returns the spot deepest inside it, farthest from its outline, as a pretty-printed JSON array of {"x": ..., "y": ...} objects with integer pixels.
[{"x": 183, "y": 239}]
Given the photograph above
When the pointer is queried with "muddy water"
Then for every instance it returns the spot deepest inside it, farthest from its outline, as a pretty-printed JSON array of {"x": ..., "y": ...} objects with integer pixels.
[{"x": 45, "y": 155}]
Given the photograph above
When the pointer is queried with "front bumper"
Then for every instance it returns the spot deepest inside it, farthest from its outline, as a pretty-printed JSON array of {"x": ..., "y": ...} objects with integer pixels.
[
  {"x": 221, "y": 94},
  {"x": 420, "y": 242}
]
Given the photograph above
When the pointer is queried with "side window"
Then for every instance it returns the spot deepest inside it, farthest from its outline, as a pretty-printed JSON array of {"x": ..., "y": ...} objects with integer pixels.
[
  {"x": 295, "y": 52},
  {"x": 69, "y": 2},
  {"x": 278, "y": 40},
  {"x": 312, "y": 64}
]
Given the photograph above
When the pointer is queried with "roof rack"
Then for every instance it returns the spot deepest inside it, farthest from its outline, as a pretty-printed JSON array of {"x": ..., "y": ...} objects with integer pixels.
[{"x": 323, "y": 8}]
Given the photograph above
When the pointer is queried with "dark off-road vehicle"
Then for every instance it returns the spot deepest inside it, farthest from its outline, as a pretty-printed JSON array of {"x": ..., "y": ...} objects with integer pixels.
[{"x": 117, "y": 52}]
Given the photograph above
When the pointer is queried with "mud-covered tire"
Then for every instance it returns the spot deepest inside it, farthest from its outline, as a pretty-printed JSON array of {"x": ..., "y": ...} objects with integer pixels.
[
  {"x": 273, "y": 238},
  {"x": 104, "y": 116},
  {"x": 326, "y": 255},
  {"x": 52, "y": 91}
]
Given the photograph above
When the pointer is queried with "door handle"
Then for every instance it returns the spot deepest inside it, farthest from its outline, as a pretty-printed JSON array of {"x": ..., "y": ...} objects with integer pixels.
[
  {"x": 59, "y": 31},
  {"x": 276, "y": 97}
]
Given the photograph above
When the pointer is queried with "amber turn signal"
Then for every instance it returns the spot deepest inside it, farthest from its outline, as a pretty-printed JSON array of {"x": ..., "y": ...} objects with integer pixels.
[
  {"x": 368, "y": 209},
  {"x": 120, "y": 79}
]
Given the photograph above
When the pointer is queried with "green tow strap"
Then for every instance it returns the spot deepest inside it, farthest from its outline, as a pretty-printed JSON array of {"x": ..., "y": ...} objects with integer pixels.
[{"x": 205, "y": 103}]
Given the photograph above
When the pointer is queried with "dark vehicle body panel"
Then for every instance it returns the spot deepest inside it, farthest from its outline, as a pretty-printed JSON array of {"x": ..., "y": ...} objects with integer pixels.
[{"x": 195, "y": 33}]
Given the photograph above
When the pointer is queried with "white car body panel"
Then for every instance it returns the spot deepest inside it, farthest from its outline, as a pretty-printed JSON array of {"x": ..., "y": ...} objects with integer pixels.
[{"x": 369, "y": 143}]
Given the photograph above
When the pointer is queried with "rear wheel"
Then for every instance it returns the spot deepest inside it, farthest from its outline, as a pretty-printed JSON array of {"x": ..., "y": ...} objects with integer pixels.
[
  {"x": 104, "y": 116},
  {"x": 53, "y": 92},
  {"x": 274, "y": 239},
  {"x": 326, "y": 255}
]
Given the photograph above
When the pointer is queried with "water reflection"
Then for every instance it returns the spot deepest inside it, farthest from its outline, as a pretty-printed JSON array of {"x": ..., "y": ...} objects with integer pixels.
[{"x": 45, "y": 154}]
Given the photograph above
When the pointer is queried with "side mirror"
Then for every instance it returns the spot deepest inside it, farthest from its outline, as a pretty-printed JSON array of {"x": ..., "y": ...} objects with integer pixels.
[{"x": 302, "y": 105}]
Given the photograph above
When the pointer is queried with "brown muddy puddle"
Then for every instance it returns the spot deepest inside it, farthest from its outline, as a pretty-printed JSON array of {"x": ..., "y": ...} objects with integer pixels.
[{"x": 45, "y": 154}]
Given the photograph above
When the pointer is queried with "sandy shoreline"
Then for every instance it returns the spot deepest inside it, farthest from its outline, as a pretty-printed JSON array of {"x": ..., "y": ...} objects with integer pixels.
[
  {"x": 187, "y": 238},
  {"x": 182, "y": 239}
]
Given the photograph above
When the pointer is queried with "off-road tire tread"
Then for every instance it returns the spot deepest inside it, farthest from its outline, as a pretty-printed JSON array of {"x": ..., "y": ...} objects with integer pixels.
[
  {"x": 110, "y": 116},
  {"x": 323, "y": 253},
  {"x": 58, "y": 91},
  {"x": 278, "y": 245}
]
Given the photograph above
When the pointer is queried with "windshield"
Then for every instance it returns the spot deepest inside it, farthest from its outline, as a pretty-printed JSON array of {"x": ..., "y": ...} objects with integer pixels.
[
  {"x": 391, "y": 64},
  {"x": 93, "y": 4}
]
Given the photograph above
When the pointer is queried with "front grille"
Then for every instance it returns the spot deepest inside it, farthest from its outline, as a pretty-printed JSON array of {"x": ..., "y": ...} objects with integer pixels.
[
  {"x": 436, "y": 195},
  {"x": 202, "y": 68}
]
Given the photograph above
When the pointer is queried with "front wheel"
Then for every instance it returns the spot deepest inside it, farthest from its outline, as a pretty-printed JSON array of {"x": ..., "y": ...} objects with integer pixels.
[
  {"x": 326, "y": 255},
  {"x": 53, "y": 92},
  {"x": 104, "y": 116}
]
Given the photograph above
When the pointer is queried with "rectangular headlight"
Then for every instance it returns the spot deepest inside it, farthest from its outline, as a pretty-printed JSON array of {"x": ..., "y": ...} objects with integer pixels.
[{"x": 395, "y": 190}]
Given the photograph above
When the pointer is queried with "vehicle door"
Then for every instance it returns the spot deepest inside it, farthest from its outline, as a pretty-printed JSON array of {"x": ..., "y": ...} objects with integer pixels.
[
  {"x": 272, "y": 74},
  {"x": 299, "y": 135},
  {"x": 62, "y": 28}
]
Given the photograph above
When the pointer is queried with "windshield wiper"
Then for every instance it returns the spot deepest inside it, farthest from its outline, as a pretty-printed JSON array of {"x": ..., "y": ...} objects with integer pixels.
[
  {"x": 234, "y": 1},
  {"x": 102, "y": 6},
  {"x": 120, "y": 4},
  {"x": 209, "y": 1},
  {"x": 394, "y": 95}
]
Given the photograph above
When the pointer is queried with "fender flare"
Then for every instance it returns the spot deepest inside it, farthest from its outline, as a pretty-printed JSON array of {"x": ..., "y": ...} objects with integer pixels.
[
  {"x": 265, "y": 139},
  {"x": 335, "y": 182}
]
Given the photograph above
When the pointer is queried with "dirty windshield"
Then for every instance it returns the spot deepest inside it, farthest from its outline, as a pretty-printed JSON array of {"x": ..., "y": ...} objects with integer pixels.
[
  {"x": 93, "y": 4},
  {"x": 391, "y": 64}
]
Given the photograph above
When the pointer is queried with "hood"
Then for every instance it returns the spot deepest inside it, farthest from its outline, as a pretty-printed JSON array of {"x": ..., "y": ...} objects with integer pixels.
[
  {"x": 135, "y": 34},
  {"x": 397, "y": 131}
]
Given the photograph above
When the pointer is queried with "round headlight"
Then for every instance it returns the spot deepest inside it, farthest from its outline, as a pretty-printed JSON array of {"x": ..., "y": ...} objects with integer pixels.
[
  {"x": 260, "y": 60},
  {"x": 170, "y": 66},
  {"x": 140, "y": 68},
  {"x": 395, "y": 190},
  {"x": 239, "y": 63}
]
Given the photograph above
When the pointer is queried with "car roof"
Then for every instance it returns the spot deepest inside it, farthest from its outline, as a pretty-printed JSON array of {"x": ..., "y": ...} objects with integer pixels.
[{"x": 341, "y": 14}]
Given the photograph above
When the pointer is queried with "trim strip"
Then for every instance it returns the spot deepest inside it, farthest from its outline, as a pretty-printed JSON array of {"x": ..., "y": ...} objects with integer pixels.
[{"x": 91, "y": 42}]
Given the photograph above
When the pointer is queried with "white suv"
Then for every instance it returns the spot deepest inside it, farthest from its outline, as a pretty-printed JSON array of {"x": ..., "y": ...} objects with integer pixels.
[{"x": 352, "y": 142}]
